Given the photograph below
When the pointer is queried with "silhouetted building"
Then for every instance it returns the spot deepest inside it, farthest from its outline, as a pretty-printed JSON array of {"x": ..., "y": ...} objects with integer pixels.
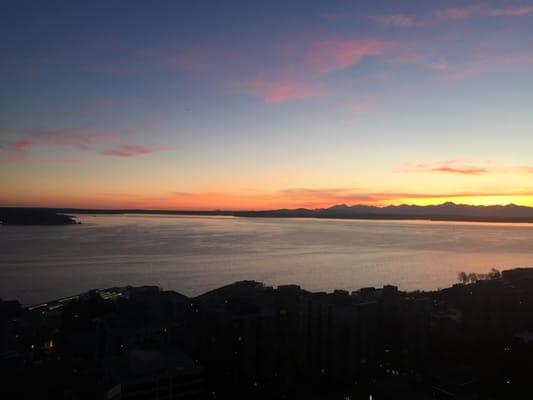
[
  {"x": 248, "y": 340},
  {"x": 153, "y": 374}
]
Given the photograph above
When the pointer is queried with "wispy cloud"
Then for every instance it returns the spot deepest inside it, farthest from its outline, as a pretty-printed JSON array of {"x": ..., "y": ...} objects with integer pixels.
[
  {"x": 93, "y": 141},
  {"x": 481, "y": 65},
  {"x": 338, "y": 54},
  {"x": 404, "y": 20},
  {"x": 396, "y": 20},
  {"x": 510, "y": 11},
  {"x": 300, "y": 77},
  {"x": 465, "y": 167},
  {"x": 130, "y": 151},
  {"x": 278, "y": 91},
  {"x": 325, "y": 197},
  {"x": 450, "y": 166},
  {"x": 464, "y": 12},
  {"x": 314, "y": 191},
  {"x": 19, "y": 145},
  {"x": 461, "y": 170},
  {"x": 81, "y": 139},
  {"x": 412, "y": 55}
]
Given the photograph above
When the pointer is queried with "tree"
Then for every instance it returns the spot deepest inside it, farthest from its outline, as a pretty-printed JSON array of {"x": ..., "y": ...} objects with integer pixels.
[
  {"x": 463, "y": 277},
  {"x": 494, "y": 274},
  {"x": 472, "y": 277}
]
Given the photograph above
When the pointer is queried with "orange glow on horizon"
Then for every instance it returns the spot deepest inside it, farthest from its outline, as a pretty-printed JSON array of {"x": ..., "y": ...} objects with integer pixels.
[
  {"x": 258, "y": 201},
  {"x": 503, "y": 200}
]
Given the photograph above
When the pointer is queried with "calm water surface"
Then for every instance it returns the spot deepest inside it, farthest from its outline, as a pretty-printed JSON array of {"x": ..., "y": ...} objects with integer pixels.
[{"x": 196, "y": 254}]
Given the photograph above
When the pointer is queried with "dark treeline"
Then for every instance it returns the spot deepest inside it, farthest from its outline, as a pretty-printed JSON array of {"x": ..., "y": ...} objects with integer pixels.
[{"x": 33, "y": 216}]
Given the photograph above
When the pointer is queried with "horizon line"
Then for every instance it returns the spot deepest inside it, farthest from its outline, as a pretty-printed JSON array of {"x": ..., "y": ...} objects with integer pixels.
[{"x": 269, "y": 209}]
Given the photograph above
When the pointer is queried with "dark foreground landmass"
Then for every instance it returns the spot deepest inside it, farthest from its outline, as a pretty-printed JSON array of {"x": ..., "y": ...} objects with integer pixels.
[
  {"x": 250, "y": 341},
  {"x": 443, "y": 212},
  {"x": 30, "y": 216}
]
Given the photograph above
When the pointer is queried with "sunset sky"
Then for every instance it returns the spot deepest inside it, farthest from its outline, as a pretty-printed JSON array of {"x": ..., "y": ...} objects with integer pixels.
[{"x": 265, "y": 104}]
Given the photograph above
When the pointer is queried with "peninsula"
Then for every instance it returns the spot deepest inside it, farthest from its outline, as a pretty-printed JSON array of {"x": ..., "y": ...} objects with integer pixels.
[{"x": 30, "y": 216}]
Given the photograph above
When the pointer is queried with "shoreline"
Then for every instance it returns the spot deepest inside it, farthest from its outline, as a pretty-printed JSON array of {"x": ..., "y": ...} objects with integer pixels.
[
  {"x": 117, "y": 291},
  {"x": 287, "y": 214}
]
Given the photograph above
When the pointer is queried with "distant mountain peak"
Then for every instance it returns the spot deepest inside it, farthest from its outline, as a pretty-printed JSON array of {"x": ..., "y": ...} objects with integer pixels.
[
  {"x": 338, "y": 207},
  {"x": 448, "y": 203}
]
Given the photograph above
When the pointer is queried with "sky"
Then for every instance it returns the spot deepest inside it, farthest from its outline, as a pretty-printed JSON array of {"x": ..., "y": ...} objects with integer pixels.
[{"x": 265, "y": 104}]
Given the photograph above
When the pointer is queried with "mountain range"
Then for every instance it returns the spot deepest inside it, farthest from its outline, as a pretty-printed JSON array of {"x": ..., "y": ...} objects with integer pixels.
[{"x": 445, "y": 211}]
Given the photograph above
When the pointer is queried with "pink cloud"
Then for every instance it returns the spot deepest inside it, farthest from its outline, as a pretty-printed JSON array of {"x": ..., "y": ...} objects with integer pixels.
[
  {"x": 449, "y": 14},
  {"x": 89, "y": 141},
  {"x": 81, "y": 140},
  {"x": 511, "y": 11},
  {"x": 338, "y": 54},
  {"x": 438, "y": 16},
  {"x": 481, "y": 9},
  {"x": 460, "y": 167},
  {"x": 296, "y": 81},
  {"x": 130, "y": 151},
  {"x": 20, "y": 145},
  {"x": 278, "y": 91},
  {"x": 465, "y": 167},
  {"x": 358, "y": 107},
  {"x": 76, "y": 138}
]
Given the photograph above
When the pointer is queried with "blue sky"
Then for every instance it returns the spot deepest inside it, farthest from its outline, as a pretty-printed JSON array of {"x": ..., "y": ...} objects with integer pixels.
[{"x": 245, "y": 104}]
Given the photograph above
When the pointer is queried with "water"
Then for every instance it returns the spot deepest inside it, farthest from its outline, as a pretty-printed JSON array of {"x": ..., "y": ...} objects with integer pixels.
[{"x": 196, "y": 254}]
